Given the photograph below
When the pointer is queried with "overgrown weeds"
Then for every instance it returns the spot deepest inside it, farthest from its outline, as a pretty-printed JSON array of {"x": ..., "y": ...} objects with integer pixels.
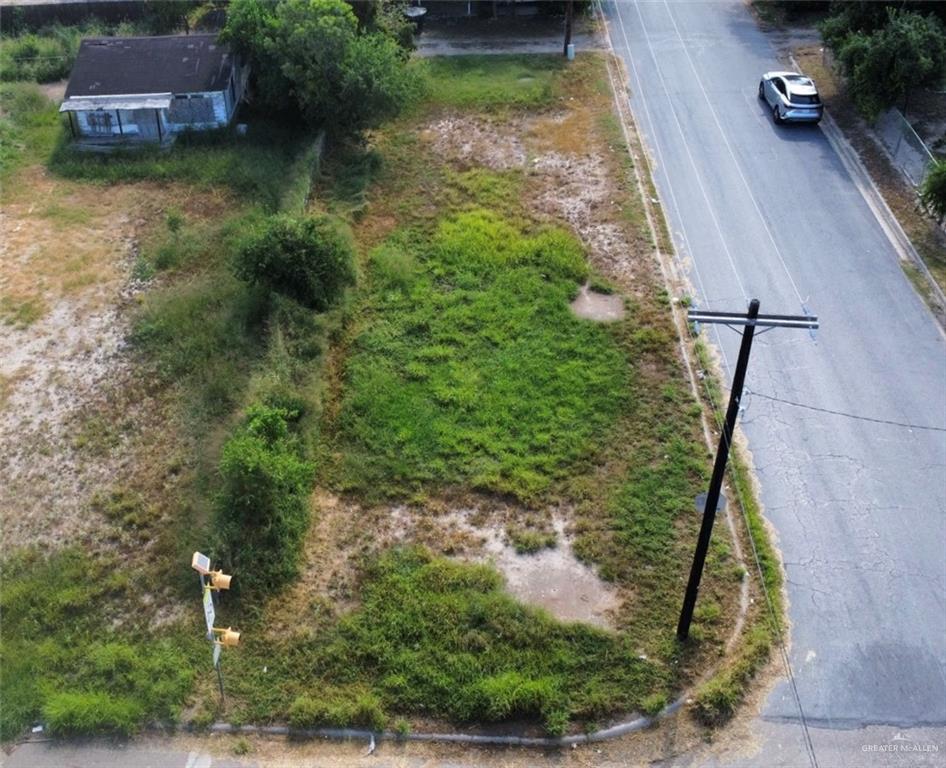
[
  {"x": 61, "y": 663},
  {"x": 471, "y": 367}
]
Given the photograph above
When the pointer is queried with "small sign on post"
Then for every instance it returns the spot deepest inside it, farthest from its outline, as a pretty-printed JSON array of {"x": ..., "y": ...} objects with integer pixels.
[
  {"x": 200, "y": 563},
  {"x": 209, "y": 613},
  {"x": 210, "y": 582}
]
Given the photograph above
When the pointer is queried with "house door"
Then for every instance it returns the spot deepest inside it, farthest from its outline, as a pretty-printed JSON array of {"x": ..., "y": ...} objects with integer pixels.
[{"x": 147, "y": 122}]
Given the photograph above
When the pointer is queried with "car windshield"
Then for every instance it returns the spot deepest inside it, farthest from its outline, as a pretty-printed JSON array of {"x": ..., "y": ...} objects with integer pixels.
[{"x": 799, "y": 98}]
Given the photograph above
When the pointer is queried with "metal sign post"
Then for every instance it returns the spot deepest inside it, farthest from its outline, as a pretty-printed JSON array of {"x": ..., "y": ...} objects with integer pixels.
[
  {"x": 210, "y": 582},
  {"x": 750, "y": 321}
]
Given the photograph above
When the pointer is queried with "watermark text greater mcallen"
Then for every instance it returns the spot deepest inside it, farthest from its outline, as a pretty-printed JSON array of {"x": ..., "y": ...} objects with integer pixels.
[{"x": 901, "y": 743}]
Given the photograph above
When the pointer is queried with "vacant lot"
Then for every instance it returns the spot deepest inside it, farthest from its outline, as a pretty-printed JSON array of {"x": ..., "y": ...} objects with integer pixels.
[{"x": 503, "y": 493}]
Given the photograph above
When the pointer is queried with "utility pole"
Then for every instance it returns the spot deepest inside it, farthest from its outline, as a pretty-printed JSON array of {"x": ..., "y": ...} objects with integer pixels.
[
  {"x": 569, "y": 17},
  {"x": 750, "y": 322}
]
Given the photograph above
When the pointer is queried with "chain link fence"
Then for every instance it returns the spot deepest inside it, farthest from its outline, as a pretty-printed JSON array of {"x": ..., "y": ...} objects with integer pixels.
[{"x": 906, "y": 149}]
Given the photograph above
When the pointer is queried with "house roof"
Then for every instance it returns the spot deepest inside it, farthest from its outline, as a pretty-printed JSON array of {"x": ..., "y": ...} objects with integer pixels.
[
  {"x": 107, "y": 66},
  {"x": 137, "y": 101}
]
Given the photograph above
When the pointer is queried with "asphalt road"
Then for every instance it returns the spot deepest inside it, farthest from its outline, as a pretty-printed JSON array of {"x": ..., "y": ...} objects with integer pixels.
[{"x": 859, "y": 507}]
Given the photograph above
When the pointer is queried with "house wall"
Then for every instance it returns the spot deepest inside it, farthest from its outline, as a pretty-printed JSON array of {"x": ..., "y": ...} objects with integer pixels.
[{"x": 191, "y": 111}]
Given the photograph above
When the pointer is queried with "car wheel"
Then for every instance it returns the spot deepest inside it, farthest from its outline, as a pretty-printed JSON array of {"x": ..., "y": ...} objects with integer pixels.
[
  {"x": 761, "y": 90},
  {"x": 776, "y": 116}
]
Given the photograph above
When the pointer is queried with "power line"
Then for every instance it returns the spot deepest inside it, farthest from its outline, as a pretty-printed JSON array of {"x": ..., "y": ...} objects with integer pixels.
[{"x": 845, "y": 415}]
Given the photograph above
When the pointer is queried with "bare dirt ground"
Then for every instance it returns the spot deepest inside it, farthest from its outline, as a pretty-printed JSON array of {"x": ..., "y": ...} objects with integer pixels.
[{"x": 75, "y": 419}]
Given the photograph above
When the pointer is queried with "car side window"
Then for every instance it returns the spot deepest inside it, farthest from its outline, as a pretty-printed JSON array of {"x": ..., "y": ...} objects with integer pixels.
[{"x": 780, "y": 85}]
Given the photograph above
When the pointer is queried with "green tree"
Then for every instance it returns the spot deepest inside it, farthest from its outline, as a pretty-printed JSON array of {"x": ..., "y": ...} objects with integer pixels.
[
  {"x": 884, "y": 66},
  {"x": 312, "y": 54},
  {"x": 933, "y": 191},
  {"x": 307, "y": 259}
]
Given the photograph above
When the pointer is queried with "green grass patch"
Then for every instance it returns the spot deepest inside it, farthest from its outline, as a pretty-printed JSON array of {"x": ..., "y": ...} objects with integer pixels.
[
  {"x": 63, "y": 665},
  {"x": 29, "y": 126},
  {"x": 48, "y": 54},
  {"x": 435, "y": 636},
  {"x": 203, "y": 335},
  {"x": 471, "y": 368},
  {"x": 492, "y": 82}
]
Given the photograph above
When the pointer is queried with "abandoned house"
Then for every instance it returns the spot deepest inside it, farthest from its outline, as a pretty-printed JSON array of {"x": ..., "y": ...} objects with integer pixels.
[{"x": 132, "y": 89}]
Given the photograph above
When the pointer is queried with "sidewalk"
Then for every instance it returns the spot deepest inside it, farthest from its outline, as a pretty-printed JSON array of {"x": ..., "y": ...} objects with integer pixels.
[{"x": 506, "y": 34}]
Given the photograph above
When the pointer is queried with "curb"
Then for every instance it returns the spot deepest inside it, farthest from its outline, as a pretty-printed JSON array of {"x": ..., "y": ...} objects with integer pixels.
[{"x": 351, "y": 734}]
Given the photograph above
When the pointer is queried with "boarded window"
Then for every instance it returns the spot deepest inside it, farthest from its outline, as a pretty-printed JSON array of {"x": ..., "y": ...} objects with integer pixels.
[{"x": 186, "y": 110}]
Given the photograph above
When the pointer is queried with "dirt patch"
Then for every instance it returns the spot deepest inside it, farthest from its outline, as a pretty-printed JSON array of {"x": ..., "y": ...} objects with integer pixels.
[
  {"x": 477, "y": 141},
  {"x": 72, "y": 411},
  {"x": 554, "y": 579},
  {"x": 575, "y": 187},
  {"x": 600, "y": 307},
  {"x": 471, "y": 529},
  {"x": 55, "y": 92}
]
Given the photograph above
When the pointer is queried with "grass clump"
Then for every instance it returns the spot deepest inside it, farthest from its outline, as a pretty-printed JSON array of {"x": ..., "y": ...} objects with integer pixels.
[
  {"x": 716, "y": 701},
  {"x": 60, "y": 664},
  {"x": 527, "y": 542},
  {"x": 471, "y": 367}
]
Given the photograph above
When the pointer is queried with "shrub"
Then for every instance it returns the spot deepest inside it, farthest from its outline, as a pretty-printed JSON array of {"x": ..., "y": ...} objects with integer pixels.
[
  {"x": 933, "y": 191},
  {"x": 307, "y": 259},
  {"x": 71, "y": 713},
  {"x": 262, "y": 513},
  {"x": 883, "y": 66}
]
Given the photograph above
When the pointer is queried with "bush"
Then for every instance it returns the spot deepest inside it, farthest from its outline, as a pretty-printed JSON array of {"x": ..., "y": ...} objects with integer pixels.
[
  {"x": 262, "y": 513},
  {"x": 306, "y": 259},
  {"x": 933, "y": 191}
]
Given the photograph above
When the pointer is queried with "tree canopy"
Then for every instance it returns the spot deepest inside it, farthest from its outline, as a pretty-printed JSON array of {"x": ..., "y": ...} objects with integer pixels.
[
  {"x": 884, "y": 62},
  {"x": 312, "y": 55}
]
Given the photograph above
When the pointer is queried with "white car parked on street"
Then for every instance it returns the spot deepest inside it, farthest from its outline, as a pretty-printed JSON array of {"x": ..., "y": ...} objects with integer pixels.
[{"x": 791, "y": 97}]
